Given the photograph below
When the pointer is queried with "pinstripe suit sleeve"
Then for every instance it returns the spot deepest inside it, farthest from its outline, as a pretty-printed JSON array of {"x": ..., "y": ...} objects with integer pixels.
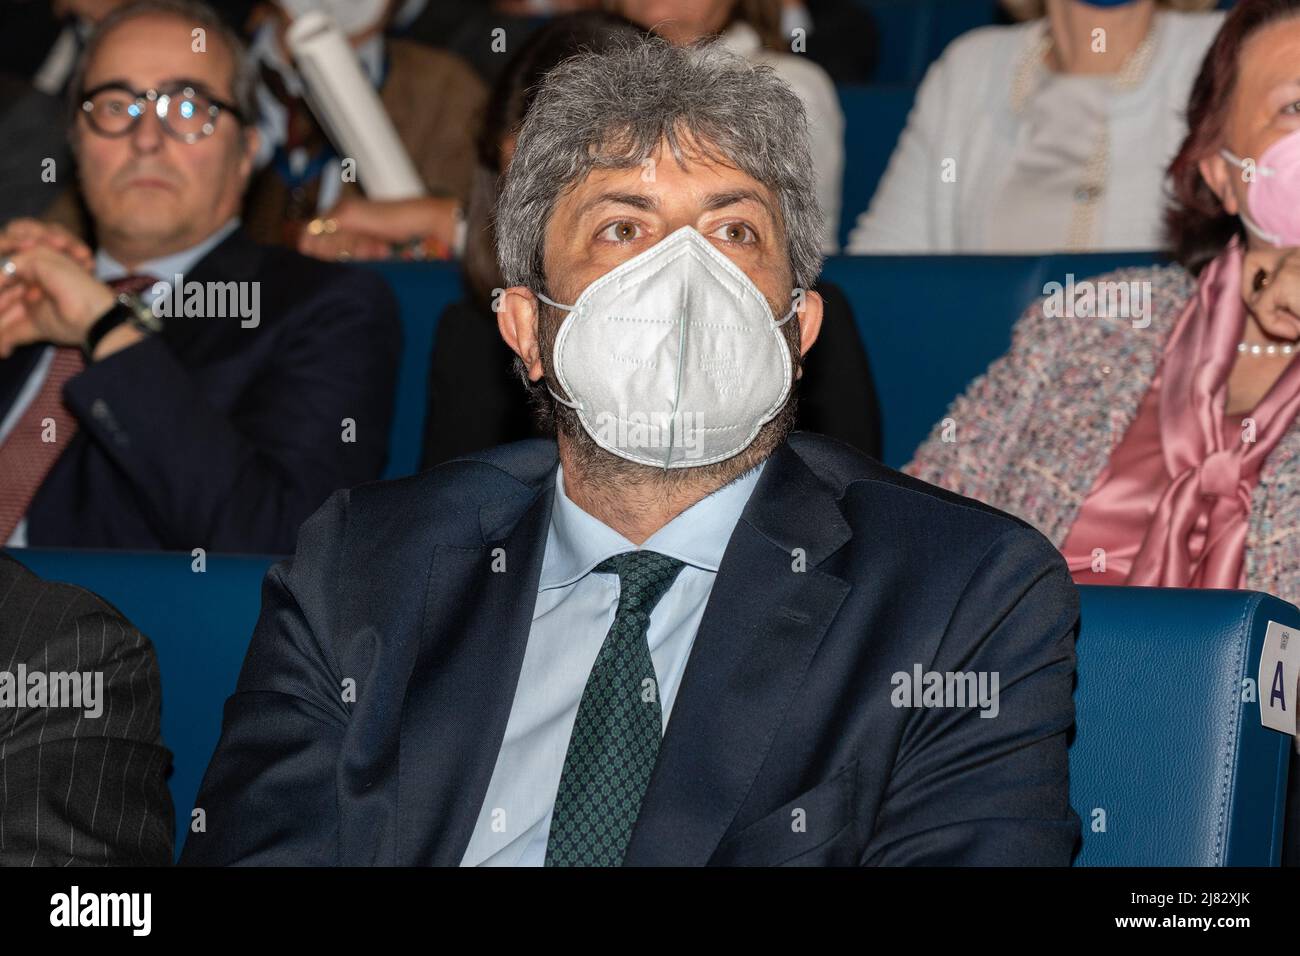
[{"x": 80, "y": 785}]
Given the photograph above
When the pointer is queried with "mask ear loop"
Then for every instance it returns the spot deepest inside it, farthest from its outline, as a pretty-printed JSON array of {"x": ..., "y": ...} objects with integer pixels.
[
  {"x": 1237, "y": 161},
  {"x": 576, "y": 406},
  {"x": 1270, "y": 238}
]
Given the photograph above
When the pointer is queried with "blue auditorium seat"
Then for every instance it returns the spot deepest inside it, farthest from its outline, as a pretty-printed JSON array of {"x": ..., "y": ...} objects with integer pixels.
[
  {"x": 874, "y": 117},
  {"x": 200, "y": 625},
  {"x": 1184, "y": 771},
  {"x": 914, "y": 32},
  {"x": 423, "y": 290},
  {"x": 1167, "y": 755},
  {"x": 932, "y": 323}
]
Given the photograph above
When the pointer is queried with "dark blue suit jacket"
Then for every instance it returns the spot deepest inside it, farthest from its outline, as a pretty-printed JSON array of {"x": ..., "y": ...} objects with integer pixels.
[
  {"x": 839, "y": 574},
  {"x": 221, "y": 437}
]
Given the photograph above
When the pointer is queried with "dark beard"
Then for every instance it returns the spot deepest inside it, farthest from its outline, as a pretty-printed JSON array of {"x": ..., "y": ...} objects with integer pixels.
[{"x": 603, "y": 469}]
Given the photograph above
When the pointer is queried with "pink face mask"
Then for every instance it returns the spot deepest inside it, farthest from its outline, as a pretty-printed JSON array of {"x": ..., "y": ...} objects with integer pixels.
[{"x": 1273, "y": 196}]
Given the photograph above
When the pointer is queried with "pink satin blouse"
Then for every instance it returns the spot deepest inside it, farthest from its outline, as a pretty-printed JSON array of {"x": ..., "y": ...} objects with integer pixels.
[{"x": 1118, "y": 510}]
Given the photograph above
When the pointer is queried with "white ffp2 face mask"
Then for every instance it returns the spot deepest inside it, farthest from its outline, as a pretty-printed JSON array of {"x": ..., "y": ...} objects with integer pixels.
[{"x": 673, "y": 359}]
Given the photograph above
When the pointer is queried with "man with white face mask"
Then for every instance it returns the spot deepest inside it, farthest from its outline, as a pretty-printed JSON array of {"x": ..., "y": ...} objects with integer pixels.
[{"x": 677, "y": 634}]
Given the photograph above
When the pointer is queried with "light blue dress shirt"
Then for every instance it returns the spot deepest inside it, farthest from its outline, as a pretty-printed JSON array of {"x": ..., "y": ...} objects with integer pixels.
[
  {"x": 166, "y": 268},
  {"x": 574, "y": 611}
]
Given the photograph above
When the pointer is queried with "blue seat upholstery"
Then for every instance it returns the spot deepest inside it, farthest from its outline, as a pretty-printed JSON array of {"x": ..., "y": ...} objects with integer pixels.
[
  {"x": 1184, "y": 773},
  {"x": 423, "y": 290},
  {"x": 1170, "y": 764},
  {"x": 914, "y": 32},
  {"x": 200, "y": 625},
  {"x": 874, "y": 117},
  {"x": 932, "y": 323}
]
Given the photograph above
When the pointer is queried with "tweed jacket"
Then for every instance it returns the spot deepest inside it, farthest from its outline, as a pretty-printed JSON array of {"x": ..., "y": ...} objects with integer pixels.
[{"x": 1036, "y": 429}]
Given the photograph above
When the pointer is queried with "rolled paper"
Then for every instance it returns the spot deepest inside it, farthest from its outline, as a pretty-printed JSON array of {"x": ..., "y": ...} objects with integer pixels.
[{"x": 349, "y": 109}]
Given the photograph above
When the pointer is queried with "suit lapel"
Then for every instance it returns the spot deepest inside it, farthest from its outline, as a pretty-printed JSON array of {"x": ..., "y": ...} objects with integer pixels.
[
  {"x": 763, "y": 623},
  {"x": 478, "y": 616},
  {"x": 235, "y": 259}
]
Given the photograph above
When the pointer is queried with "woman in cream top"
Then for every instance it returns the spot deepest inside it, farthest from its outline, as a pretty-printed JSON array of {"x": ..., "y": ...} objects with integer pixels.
[{"x": 1012, "y": 147}]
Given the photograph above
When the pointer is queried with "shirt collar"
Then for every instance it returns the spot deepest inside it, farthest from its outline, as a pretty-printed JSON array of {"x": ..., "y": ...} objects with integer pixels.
[
  {"x": 164, "y": 268},
  {"x": 576, "y": 541}
]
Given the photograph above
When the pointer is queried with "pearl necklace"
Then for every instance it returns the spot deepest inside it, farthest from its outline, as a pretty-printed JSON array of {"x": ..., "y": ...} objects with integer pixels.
[
  {"x": 1029, "y": 74},
  {"x": 1246, "y": 348}
]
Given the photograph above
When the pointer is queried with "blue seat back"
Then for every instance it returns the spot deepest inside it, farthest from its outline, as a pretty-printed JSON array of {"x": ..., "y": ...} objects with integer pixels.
[
  {"x": 423, "y": 290},
  {"x": 932, "y": 323},
  {"x": 874, "y": 117},
  {"x": 1170, "y": 765},
  {"x": 1165, "y": 747},
  {"x": 914, "y": 32},
  {"x": 200, "y": 626}
]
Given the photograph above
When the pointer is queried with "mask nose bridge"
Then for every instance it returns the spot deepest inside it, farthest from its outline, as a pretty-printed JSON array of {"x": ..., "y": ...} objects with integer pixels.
[{"x": 683, "y": 311}]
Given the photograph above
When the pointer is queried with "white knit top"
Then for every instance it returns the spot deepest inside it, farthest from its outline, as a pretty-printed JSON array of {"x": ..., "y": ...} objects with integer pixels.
[{"x": 1000, "y": 154}]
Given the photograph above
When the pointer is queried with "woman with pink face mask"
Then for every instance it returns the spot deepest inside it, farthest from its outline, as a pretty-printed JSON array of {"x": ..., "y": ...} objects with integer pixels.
[{"x": 1157, "y": 443}]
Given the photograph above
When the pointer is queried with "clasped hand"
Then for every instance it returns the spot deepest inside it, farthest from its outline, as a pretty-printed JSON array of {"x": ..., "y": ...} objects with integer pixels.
[{"x": 48, "y": 291}]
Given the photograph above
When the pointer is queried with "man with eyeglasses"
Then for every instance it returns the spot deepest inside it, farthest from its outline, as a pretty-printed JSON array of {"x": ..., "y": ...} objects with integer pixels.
[{"x": 180, "y": 387}]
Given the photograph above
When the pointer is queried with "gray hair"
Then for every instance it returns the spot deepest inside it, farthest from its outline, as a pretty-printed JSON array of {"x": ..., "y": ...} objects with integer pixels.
[
  {"x": 243, "y": 84},
  {"x": 611, "y": 110}
]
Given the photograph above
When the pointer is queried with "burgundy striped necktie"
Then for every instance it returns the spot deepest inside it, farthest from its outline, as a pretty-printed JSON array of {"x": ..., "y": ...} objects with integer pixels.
[{"x": 44, "y": 429}]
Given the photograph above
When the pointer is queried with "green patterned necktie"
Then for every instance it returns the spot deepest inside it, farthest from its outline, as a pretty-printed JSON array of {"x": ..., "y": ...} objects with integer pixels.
[{"x": 616, "y": 734}]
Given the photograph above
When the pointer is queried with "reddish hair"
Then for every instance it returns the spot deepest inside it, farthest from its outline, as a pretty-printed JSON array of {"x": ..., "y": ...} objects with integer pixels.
[{"x": 1196, "y": 224}]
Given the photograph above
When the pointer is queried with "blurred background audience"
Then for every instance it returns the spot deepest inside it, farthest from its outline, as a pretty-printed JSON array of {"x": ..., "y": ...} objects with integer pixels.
[
  {"x": 475, "y": 398},
  {"x": 1163, "y": 454},
  {"x": 433, "y": 100},
  {"x": 753, "y": 28},
  {"x": 838, "y": 35},
  {"x": 35, "y": 147},
  {"x": 1048, "y": 128},
  {"x": 1052, "y": 134},
  {"x": 127, "y": 421}
]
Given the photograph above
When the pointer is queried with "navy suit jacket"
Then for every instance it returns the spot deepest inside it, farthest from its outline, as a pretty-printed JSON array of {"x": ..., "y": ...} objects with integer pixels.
[
  {"x": 222, "y": 437},
  {"x": 840, "y": 574}
]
